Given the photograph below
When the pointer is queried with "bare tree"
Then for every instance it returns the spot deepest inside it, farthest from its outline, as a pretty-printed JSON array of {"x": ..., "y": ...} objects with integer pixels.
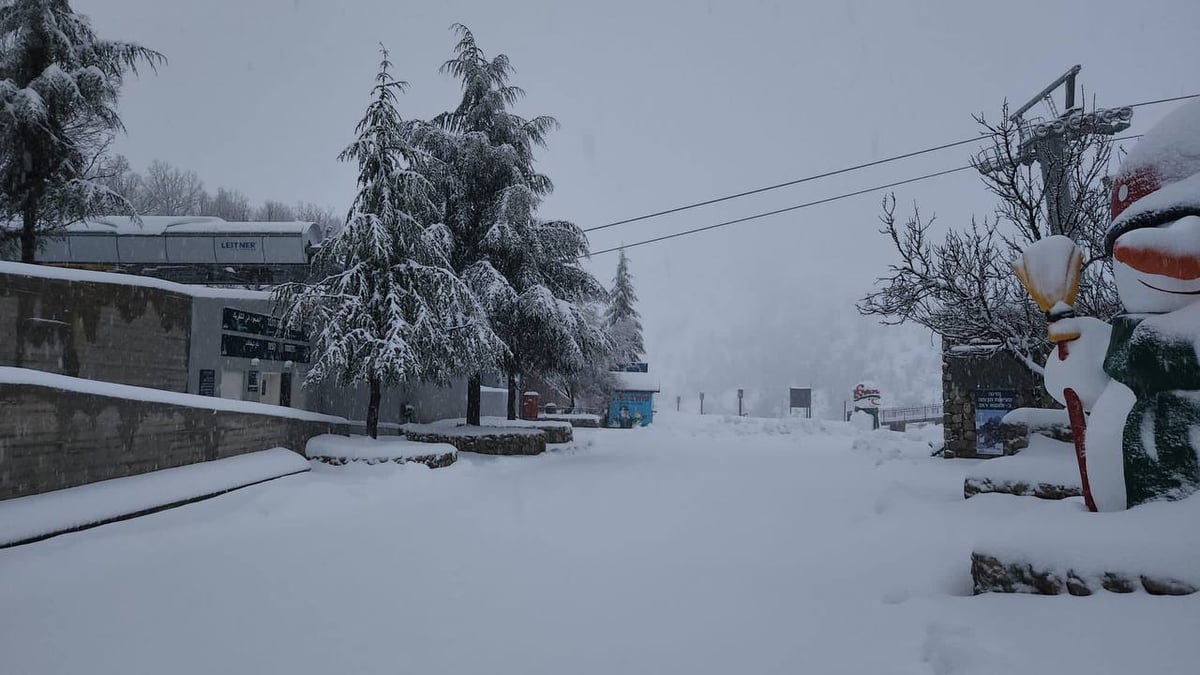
[
  {"x": 323, "y": 216},
  {"x": 963, "y": 288},
  {"x": 114, "y": 172},
  {"x": 168, "y": 191},
  {"x": 273, "y": 211},
  {"x": 228, "y": 204}
]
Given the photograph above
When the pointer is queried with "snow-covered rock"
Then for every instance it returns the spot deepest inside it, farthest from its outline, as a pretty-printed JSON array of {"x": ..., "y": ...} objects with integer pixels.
[
  {"x": 1046, "y": 469},
  {"x": 333, "y": 449}
]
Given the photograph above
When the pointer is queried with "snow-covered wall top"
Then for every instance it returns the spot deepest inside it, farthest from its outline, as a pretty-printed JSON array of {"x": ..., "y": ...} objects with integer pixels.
[
  {"x": 68, "y": 274},
  {"x": 10, "y": 375}
]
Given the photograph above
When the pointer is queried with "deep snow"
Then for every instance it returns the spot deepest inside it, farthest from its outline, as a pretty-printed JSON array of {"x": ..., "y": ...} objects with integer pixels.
[{"x": 697, "y": 545}]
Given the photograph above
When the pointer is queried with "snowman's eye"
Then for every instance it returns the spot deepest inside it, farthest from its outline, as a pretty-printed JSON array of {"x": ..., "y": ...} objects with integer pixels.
[{"x": 1123, "y": 193}]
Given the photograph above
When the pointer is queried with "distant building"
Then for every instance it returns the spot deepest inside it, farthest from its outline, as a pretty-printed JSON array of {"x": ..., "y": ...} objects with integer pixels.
[
  {"x": 632, "y": 404},
  {"x": 188, "y": 249}
]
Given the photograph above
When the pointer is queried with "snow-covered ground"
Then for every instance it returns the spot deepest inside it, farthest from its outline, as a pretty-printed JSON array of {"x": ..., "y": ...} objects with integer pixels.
[
  {"x": 1044, "y": 461},
  {"x": 696, "y": 545}
]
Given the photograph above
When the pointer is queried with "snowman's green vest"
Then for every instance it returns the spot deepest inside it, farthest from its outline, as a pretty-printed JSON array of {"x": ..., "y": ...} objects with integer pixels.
[{"x": 1163, "y": 371}]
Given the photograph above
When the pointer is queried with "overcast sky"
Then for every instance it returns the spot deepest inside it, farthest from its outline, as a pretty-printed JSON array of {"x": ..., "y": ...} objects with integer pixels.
[{"x": 663, "y": 103}]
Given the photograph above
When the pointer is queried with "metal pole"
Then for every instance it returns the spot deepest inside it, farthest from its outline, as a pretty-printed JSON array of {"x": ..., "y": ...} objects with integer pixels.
[
  {"x": 1068, "y": 77},
  {"x": 701, "y": 403},
  {"x": 1054, "y": 175}
]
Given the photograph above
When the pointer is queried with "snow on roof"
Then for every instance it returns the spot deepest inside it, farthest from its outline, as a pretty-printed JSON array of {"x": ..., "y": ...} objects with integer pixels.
[
  {"x": 69, "y": 274},
  {"x": 636, "y": 382},
  {"x": 157, "y": 225},
  {"x": 200, "y": 225},
  {"x": 10, "y": 375}
]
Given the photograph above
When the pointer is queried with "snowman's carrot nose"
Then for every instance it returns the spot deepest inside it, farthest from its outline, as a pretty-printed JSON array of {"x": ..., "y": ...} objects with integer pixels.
[{"x": 1158, "y": 261}]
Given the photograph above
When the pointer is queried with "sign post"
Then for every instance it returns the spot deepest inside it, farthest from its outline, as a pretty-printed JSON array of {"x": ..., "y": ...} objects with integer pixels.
[
  {"x": 208, "y": 382},
  {"x": 866, "y": 399},
  {"x": 991, "y": 405},
  {"x": 800, "y": 397}
]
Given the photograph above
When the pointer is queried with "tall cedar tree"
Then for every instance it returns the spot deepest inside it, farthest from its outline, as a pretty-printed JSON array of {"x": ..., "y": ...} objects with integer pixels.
[
  {"x": 388, "y": 309},
  {"x": 624, "y": 322},
  {"x": 486, "y": 174},
  {"x": 59, "y": 85},
  {"x": 537, "y": 295}
]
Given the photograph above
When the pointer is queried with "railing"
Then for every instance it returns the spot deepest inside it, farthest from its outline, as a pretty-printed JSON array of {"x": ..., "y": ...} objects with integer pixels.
[{"x": 913, "y": 414}]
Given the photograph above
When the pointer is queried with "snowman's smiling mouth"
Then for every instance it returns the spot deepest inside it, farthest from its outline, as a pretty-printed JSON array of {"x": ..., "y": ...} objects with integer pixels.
[{"x": 1164, "y": 290}]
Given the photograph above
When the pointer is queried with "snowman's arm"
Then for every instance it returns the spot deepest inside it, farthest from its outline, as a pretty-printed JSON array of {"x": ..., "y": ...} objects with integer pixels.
[{"x": 1083, "y": 367}]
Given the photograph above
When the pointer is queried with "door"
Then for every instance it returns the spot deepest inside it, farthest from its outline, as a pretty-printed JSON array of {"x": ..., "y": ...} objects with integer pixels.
[
  {"x": 270, "y": 388},
  {"x": 232, "y": 382}
]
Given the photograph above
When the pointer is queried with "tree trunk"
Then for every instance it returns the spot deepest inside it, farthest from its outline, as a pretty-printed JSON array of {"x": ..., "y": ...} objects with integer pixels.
[
  {"x": 473, "y": 399},
  {"x": 513, "y": 394},
  {"x": 373, "y": 408},
  {"x": 29, "y": 218}
]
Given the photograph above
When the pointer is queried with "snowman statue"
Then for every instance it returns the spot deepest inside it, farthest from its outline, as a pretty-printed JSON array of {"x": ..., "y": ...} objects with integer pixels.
[{"x": 1138, "y": 377}]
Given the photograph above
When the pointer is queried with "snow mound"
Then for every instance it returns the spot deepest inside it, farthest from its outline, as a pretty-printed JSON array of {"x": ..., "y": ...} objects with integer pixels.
[
  {"x": 1046, "y": 469},
  {"x": 39, "y": 516},
  {"x": 365, "y": 448},
  {"x": 1157, "y": 539},
  {"x": 1037, "y": 418},
  {"x": 1044, "y": 461}
]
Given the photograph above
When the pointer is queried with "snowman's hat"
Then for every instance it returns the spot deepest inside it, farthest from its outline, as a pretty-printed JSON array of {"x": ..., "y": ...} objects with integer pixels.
[{"x": 1159, "y": 180}]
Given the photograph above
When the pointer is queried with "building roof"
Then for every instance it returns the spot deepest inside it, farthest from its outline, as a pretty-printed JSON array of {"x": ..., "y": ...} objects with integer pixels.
[
  {"x": 636, "y": 382},
  {"x": 156, "y": 225},
  {"x": 159, "y": 225}
]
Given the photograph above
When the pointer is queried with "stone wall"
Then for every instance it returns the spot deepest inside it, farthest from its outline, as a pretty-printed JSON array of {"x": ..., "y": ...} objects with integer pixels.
[
  {"x": 52, "y": 438},
  {"x": 490, "y": 442},
  {"x": 963, "y": 372},
  {"x": 116, "y": 333}
]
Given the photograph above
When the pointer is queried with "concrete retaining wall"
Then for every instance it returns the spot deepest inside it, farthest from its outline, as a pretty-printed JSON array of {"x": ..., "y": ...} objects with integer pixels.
[
  {"x": 127, "y": 334},
  {"x": 52, "y": 438}
]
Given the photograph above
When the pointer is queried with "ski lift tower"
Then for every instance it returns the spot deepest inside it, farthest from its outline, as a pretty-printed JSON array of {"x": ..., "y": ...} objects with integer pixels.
[{"x": 1045, "y": 141}]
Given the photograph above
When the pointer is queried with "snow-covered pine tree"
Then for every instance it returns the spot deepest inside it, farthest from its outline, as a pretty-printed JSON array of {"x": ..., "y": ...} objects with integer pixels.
[
  {"x": 485, "y": 152},
  {"x": 624, "y": 322},
  {"x": 58, "y": 92},
  {"x": 593, "y": 385},
  {"x": 387, "y": 307},
  {"x": 537, "y": 294}
]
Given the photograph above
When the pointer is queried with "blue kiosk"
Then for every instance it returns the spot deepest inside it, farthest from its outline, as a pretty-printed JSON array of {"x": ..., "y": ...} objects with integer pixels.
[{"x": 632, "y": 404}]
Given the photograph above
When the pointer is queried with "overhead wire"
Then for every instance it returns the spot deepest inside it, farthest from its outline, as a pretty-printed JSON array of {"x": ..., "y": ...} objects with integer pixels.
[
  {"x": 789, "y": 183},
  {"x": 835, "y": 172},
  {"x": 797, "y": 207}
]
